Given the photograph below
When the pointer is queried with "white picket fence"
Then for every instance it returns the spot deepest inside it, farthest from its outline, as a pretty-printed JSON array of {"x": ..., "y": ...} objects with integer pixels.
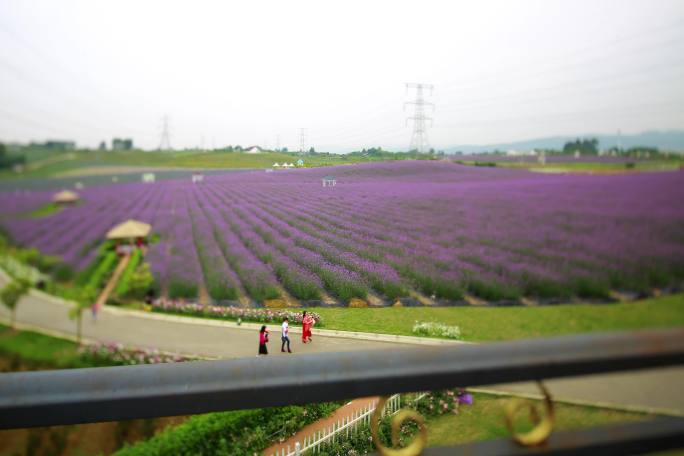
[{"x": 348, "y": 425}]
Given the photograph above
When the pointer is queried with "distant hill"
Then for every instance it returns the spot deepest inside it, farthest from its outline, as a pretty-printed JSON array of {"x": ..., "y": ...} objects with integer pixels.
[{"x": 664, "y": 140}]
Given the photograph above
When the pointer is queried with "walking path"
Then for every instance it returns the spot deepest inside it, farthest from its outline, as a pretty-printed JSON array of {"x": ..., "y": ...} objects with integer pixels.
[
  {"x": 102, "y": 299},
  {"x": 657, "y": 390}
]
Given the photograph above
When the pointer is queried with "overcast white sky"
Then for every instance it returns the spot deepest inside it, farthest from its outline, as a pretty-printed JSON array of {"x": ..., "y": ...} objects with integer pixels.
[{"x": 246, "y": 72}]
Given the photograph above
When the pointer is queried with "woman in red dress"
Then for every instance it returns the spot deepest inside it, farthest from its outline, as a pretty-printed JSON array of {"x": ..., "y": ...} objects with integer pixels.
[
  {"x": 307, "y": 323},
  {"x": 263, "y": 340}
]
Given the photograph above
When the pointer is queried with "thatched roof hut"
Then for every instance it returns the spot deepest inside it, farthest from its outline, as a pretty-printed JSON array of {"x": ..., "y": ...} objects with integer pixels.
[
  {"x": 65, "y": 197},
  {"x": 130, "y": 229}
]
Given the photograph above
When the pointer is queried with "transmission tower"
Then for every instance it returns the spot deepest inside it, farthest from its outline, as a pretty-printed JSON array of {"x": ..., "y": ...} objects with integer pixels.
[
  {"x": 302, "y": 140},
  {"x": 419, "y": 139},
  {"x": 165, "y": 143}
]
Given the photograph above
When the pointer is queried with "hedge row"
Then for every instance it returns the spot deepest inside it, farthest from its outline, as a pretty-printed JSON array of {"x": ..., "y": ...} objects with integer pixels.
[{"x": 236, "y": 433}]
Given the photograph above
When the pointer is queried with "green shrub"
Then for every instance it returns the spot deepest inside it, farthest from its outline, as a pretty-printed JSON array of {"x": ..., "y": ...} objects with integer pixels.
[
  {"x": 181, "y": 289},
  {"x": 300, "y": 289},
  {"x": 586, "y": 287},
  {"x": 102, "y": 272},
  {"x": 122, "y": 286},
  {"x": 492, "y": 291},
  {"x": 544, "y": 288},
  {"x": 343, "y": 289},
  {"x": 243, "y": 432},
  {"x": 439, "y": 287},
  {"x": 140, "y": 282},
  {"x": 63, "y": 272},
  {"x": 220, "y": 289}
]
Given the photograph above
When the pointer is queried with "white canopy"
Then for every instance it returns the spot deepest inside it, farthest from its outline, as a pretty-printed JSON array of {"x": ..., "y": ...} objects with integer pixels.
[{"x": 129, "y": 229}]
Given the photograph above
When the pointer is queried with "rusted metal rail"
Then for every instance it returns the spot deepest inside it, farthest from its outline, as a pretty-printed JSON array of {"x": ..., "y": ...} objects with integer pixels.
[{"x": 73, "y": 396}]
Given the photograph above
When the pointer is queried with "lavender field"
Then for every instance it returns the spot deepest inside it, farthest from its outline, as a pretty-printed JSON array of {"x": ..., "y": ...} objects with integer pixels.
[{"x": 416, "y": 230}]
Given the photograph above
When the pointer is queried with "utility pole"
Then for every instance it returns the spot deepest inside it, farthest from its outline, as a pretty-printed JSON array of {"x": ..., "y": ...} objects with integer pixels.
[
  {"x": 277, "y": 143},
  {"x": 302, "y": 140},
  {"x": 419, "y": 139},
  {"x": 165, "y": 142}
]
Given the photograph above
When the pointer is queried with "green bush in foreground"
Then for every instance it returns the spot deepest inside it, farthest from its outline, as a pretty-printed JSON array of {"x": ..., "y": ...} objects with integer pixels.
[{"x": 242, "y": 432}]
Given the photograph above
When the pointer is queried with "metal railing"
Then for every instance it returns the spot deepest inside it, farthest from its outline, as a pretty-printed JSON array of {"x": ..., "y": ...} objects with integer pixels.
[{"x": 45, "y": 398}]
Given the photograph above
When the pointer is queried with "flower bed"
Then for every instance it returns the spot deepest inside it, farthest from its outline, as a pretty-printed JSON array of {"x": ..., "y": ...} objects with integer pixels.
[
  {"x": 231, "y": 313},
  {"x": 115, "y": 354},
  {"x": 434, "y": 329}
]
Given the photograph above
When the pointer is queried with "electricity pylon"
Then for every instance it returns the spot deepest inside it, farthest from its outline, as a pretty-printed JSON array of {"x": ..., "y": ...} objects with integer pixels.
[
  {"x": 165, "y": 142},
  {"x": 419, "y": 139}
]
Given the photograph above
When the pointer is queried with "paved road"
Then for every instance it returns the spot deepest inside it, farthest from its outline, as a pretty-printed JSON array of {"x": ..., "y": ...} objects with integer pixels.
[
  {"x": 658, "y": 389},
  {"x": 179, "y": 337}
]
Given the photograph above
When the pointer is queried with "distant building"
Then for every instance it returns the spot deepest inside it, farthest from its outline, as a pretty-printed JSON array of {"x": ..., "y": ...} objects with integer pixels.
[
  {"x": 253, "y": 150},
  {"x": 329, "y": 181},
  {"x": 122, "y": 144}
]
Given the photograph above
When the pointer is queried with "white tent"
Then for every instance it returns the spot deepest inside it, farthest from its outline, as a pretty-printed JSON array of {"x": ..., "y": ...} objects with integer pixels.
[{"x": 276, "y": 165}]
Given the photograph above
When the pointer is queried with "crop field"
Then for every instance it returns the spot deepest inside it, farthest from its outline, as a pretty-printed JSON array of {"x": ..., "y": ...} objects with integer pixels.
[{"x": 419, "y": 231}]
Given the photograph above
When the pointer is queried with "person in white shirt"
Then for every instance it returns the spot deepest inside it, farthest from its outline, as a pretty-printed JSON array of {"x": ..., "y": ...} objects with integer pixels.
[{"x": 284, "y": 336}]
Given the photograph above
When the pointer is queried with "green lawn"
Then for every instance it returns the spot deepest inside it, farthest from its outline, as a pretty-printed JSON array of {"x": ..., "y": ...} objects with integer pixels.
[
  {"x": 484, "y": 420},
  {"x": 507, "y": 323},
  {"x": 45, "y": 210},
  {"x": 36, "y": 351}
]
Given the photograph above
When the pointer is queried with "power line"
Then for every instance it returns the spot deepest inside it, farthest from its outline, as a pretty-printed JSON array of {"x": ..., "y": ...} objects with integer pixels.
[
  {"x": 621, "y": 110},
  {"x": 510, "y": 72},
  {"x": 419, "y": 139},
  {"x": 608, "y": 83},
  {"x": 165, "y": 142}
]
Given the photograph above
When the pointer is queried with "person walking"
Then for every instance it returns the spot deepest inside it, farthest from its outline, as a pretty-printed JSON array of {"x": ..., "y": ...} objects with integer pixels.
[
  {"x": 307, "y": 323},
  {"x": 284, "y": 336},
  {"x": 263, "y": 340}
]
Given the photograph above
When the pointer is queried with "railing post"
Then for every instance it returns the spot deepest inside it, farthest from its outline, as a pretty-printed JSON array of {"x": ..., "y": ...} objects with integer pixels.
[{"x": 298, "y": 449}]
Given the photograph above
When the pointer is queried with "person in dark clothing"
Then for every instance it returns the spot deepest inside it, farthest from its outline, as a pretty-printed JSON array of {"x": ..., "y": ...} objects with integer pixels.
[{"x": 263, "y": 340}]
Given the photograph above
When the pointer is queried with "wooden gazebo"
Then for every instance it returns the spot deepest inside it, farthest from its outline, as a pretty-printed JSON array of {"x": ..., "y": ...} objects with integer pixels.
[
  {"x": 65, "y": 197},
  {"x": 130, "y": 229}
]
